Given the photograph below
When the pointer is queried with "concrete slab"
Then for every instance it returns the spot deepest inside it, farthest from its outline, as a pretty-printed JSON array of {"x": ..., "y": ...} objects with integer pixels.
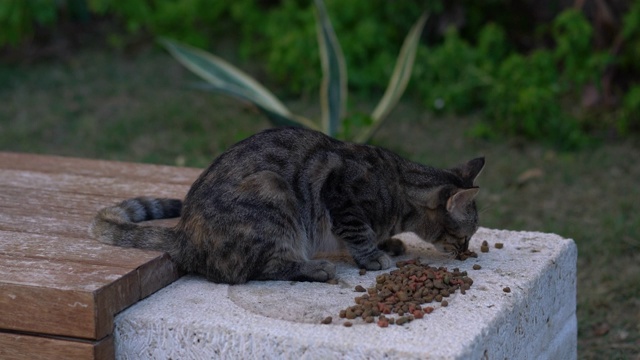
[{"x": 196, "y": 319}]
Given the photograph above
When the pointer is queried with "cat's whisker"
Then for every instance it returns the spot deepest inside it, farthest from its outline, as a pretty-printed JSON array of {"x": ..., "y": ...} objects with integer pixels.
[
  {"x": 450, "y": 255},
  {"x": 481, "y": 211}
]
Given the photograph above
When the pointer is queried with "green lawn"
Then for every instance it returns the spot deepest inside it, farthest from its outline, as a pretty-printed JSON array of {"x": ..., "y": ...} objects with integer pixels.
[{"x": 137, "y": 108}]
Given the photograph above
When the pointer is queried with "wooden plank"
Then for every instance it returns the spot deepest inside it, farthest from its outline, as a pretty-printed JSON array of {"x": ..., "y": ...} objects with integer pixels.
[
  {"x": 21, "y": 221},
  {"x": 47, "y": 310},
  {"x": 52, "y": 201},
  {"x": 54, "y": 279},
  {"x": 74, "y": 299},
  {"x": 63, "y": 298},
  {"x": 67, "y": 249},
  {"x": 28, "y": 347},
  {"x": 114, "y": 298},
  {"x": 98, "y": 168},
  {"x": 156, "y": 274},
  {"x": 44, "y": 201},
  {"x": 64, "y": 275},
  {"x": 38, "y": 211},
  {"x": 79, "y": 184}
]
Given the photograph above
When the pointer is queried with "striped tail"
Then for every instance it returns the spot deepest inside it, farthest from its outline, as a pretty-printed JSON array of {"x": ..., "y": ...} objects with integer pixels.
[{"x": 116, "y": 225}]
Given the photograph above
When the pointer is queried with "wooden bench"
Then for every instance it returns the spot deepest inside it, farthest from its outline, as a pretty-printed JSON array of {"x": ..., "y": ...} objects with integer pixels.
[{"x": 60, "y": 289}]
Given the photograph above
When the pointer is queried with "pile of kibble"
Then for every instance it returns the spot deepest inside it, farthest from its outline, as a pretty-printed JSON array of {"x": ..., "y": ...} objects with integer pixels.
[{"x": 403, "y": 291}]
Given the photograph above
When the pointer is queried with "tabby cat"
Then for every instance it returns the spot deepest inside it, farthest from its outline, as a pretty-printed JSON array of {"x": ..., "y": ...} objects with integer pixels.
[{"x": 265, "y": 206}]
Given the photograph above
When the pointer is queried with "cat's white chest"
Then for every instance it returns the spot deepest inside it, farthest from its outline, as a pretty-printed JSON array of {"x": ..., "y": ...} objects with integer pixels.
[{"x": 324, "y": 240}]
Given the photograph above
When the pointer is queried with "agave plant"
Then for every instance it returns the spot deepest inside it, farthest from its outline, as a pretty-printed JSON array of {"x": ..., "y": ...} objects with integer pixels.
[{"x": 221, "y": 76}]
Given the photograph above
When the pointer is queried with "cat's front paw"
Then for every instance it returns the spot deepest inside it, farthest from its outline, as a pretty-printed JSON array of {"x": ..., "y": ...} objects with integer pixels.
[
  {"x": 381, "y": 262},
  {"x": 319, "y": 270}
]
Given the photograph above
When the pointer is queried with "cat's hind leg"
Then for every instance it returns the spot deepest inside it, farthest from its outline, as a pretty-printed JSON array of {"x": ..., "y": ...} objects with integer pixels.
[
  {"x": 278, "y": 239},
  {"x": 310, "y": 270}
]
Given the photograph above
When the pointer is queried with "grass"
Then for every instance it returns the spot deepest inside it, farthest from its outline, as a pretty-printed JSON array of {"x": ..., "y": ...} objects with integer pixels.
[{"x": 136, "y": 108}]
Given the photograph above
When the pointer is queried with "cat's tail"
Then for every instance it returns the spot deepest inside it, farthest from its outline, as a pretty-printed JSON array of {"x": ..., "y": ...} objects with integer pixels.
[{"x": 116, "y": 225}]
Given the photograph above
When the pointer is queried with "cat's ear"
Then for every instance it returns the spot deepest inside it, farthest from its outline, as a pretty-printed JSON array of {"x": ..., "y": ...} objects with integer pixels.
[
  {"x": 470, "y": 170},
  {"x": 458, "y": 202}
]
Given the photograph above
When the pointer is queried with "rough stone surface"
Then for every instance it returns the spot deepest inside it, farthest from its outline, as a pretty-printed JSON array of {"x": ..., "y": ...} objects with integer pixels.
[{"x": 194, "y": 319}]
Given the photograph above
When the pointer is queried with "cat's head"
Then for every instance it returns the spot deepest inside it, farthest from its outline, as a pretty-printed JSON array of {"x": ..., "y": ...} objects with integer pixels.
[{"x": 449, "y": 216}]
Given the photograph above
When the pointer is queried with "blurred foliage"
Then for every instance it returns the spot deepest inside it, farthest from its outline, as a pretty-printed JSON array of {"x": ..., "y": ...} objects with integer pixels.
[
  {"x": 449, "y": 76},
  {"x": 630, "y": 118},
  {"x": 222, "y": 77},
  {"x": 526, "y": 94},
  {"x": 537, "y": 70},
  {"x": 370, "y": 32},
  {"x": 19, "y": 18},
  {"x": 194, "y": 21}
]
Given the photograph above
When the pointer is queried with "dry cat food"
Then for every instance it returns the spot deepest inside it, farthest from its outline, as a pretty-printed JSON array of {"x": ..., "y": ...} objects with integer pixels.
[
  {"x": 507, "y": 289},
  {"x": 498, "y": 245},
  {"x": 484, "y": 247},
  {"x": 467, "y": 254},
  {"x": 403, "y": 292},
  {"x": 477, "y": 267}
]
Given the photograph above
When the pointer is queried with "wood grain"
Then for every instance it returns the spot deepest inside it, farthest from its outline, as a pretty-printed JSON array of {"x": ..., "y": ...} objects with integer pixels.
[
  {"x": 60, "y": 289},
  {"x": 28, "y": 347},
  {"x": 63, "y": 298},
  {"x": 98, "y": 168},
  {"x": 47, "y": 310},
  {"x": 87, "y": 185},
  {"x": 156, "y": 274},
  {"x": 62, "y": 248}
]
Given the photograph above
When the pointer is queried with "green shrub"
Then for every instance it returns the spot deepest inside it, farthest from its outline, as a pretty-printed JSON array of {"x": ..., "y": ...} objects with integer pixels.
[
  {"x": 524, "y": 102},
  {"x": 288, "y": 41},
  {"x": 192, "y": 21},
  {"x": 519, "y": 95},
  {"x": 573, "y": 50},
  {"x": 451, "y": 77},
  {"x": 18, "y": 18},
  {"x": 370, "y": 32},
  {"x": 629, "y": 117},
  {"x": 629, "y": 120},
  {"x": 629, "y": 55}
]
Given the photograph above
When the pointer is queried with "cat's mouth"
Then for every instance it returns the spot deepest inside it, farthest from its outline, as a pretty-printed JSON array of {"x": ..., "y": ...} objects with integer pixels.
[
  {"x": 452, "y": 246},
  {"x": 448, "y": 250}
]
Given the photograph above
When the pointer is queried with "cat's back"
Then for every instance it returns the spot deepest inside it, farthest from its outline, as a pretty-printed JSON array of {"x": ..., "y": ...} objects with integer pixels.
[
  {"x": 295, "y": 142},
  {"x": 281, "y": 150}
]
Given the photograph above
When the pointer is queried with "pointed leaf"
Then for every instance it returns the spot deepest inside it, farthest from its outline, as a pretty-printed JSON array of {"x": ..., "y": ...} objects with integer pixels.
[
  {"x": 230, "y": 80},
  {"x": 333, "y": 93},
  {"x": 276, "y": 118},
  {"x": 399, "y": 78}
]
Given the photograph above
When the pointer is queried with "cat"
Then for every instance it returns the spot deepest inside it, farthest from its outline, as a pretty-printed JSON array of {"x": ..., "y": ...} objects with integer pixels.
[{"x": 265, "y": 206}]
